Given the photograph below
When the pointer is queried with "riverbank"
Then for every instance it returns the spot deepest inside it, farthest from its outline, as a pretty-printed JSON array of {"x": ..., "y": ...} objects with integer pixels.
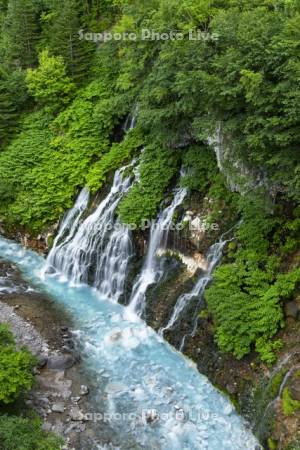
[{"x": 62, "y": 389}]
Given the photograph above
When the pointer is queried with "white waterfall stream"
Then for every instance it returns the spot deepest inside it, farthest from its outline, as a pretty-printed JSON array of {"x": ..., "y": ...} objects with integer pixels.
[
  {"x": 98, "y": 249},
  {"x": 152, "y": 270},
  {"x": 67, "y": 229},
  {"x": 213, "y": 258}
]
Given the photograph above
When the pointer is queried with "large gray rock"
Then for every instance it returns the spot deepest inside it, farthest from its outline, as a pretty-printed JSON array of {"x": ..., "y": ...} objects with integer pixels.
[{"x": 61, "y": 362}]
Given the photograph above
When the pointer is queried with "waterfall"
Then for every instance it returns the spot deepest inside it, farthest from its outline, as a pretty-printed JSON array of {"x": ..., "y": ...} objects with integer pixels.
[
  {"x": 213, "y": 258},
  {"x": 152, "y": 270},
  {"x": 67, "y": 228},
  {"x": 131, "y": 120},
  {"x": 98, "y": 249}
]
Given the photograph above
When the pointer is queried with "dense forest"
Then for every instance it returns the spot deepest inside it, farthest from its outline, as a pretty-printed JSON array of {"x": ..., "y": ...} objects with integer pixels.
[{"x": 225, "y": 105}]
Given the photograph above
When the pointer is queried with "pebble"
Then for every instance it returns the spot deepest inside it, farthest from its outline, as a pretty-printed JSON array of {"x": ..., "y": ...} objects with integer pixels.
[
  {"x": 84, "y": 390},
  {"x": 151, "y": 416},
  {"x": 58, "y": 407},
  {"x": 76, "y": 414}
]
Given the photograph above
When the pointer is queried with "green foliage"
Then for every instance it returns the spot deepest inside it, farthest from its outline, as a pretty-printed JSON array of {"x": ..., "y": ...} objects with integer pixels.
[
  {"x": 15, "y": 368},
  {"x": 222, "y": 199},
  {"x": 16, "y": 378},
  {"x": 18, "y": 161},
  {"x": 156, "y": 170},
  {"x": 49, "y": 83},
  {"x": 17, "y": 433},
  {"x": 12, "y": 98},
  {"x": 202, "y": 168},
  {"x": 245, "y": 296},
  {"x": 295, "y": 445},
  {"x": 276, "y": 383},
  {"x": 118, "y": 154},
  {"x": 42, "y": 168},
  {"x": 6, "y": 337},
  {"x": 289, "y": 405}
]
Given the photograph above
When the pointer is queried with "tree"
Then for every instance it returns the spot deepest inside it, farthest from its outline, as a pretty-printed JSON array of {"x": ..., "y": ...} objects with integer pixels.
[
  {"x": 49, "y": 83},
  {"x": 21, "y": 33},
  {"x": 13, "y": 95},
  {"x": 61, "y": 33}
]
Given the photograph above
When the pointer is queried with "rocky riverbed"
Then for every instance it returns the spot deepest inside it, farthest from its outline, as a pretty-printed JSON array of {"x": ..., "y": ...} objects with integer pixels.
[{"x": 62, "y": 393}]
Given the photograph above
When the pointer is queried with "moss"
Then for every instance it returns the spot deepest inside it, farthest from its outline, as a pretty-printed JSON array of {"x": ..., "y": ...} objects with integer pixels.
[
  {"x": 204, "y": 314},
  {"x": 289, "y": 405},
  {"x": 50, "y": 241},
  {"x": 276, "y": 383},
  {"x": 272, "y": 444}
]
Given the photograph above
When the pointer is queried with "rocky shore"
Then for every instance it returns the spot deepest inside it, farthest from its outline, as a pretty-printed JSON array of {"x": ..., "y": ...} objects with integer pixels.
[{"x": 61, "y": 394}]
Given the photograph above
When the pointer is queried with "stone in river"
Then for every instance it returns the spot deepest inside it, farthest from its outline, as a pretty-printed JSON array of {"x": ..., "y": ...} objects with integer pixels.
[{"x": 61, "y": 362}]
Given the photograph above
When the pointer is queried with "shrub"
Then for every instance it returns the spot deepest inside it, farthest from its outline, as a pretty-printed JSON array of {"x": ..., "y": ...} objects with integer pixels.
[
  {"x": 246, "y": 296},
  {"x": 157, "y": 168},
  {"x": 16, "y": 367},
  {"x": 17, "y": 433}
]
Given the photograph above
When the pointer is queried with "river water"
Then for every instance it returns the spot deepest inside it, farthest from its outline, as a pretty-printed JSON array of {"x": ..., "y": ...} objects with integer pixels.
[{"x": 152, "y": 396}]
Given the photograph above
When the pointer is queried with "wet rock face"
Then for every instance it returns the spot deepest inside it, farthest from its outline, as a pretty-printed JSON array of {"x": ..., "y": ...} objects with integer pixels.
[
  {"x": 162, "y": 298},
  {"x": 292, "y": 309},
  {"x": 135, "y": 264},
  {"x": 295, "y": 387}
]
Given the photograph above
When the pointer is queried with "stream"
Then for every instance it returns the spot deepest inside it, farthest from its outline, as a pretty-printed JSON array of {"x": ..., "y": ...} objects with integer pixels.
[{"x": 151, "y": 396}]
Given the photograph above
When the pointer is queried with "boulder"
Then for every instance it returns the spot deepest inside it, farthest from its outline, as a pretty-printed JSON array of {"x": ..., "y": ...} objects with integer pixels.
[
  {"x": 58, "y": 407},
  {"x": 61, "y": 362}
]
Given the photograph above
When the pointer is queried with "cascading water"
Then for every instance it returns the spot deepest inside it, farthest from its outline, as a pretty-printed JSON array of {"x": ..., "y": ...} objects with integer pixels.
[
  {"x": 152, "y": 396},
  {"x": 67, "y": 229},
  {"x": 97, "y": 250},
  {"x": 213, "y": 258},
  {"x": 152, "y": 270}
]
